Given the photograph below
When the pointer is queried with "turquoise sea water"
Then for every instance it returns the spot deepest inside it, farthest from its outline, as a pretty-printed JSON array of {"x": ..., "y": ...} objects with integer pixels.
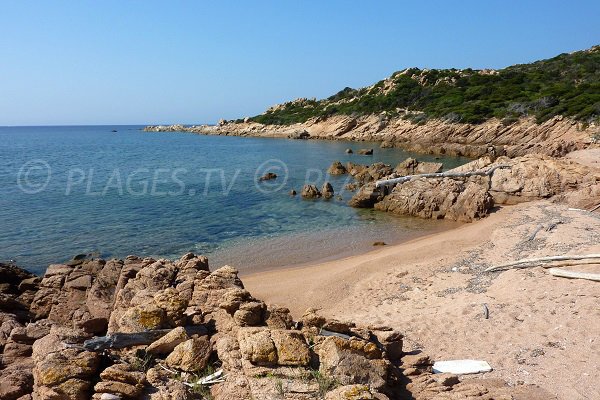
[{"x": 81, "y": 189}]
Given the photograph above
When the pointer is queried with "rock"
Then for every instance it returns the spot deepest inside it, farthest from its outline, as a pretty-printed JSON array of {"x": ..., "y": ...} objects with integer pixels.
[
  {"x": 337, "y": 168},
  {"x": 15, "y": 383},
  {"x": 299, "y": 135},
  {"x": 291, "y": 347},
  {"x": 410, "y": 166},
  {"x": 310, "y": 318},
  {"x": 379, "y": 243},
  {"x": 278, "y": 317},
  {"x": 535, "y": 177},
  {"x": 249, "y": 314},
  {"x": 268, "y": 176},
  {"x": 310, "y": 192},
  {"x": 118, "y": 388},
  {"x": 83, "y": 282},
  {"x": 351, "y": 392},
  {"x": 142, "y": 318},
  {"x": 386, "y": 144},
  {"x": 365, "y": 152},
  {"x": 351, "y": 187},
  {"x": 167, "y": 343},
  {"x": 365, "y": 174},
  {"x": 438, "y": 199},
  {"x": 222, "y": 122},
  {"x": 349, "y": 151},
  {"x": 123, "y": 373},
  {"x": 353, "y": 361},
  {"x": 257, "y": 346},
  {"x": 173, "y": 304},
  {"x": 30, "y": 284},
  {"x": 366, "y": 197},
  {"x": 338, "y": 326},
  {"x": 391, "y": 342},
  {"x": 234, "y": 298},
  {"x": 191, "y": 355},
  {"x": 327, "y": 190},
  {"x": 293, "y": 192}
]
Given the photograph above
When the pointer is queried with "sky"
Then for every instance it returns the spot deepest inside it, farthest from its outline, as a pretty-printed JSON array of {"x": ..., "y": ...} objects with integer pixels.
[{"x": 149, "y": 62}]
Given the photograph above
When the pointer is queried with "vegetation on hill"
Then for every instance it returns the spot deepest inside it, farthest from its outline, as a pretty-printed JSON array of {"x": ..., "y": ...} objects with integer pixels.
[{"x": 568, "y": 85}]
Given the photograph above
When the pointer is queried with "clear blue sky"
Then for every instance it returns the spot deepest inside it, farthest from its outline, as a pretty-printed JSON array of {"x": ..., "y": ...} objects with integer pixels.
[{"x": 138, "y": 62}]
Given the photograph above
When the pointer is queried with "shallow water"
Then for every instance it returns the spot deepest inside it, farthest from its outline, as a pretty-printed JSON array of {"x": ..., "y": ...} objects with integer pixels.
[{"x": 71, "y": 190}]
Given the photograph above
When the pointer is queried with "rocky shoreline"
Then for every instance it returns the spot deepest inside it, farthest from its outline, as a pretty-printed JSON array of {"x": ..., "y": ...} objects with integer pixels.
[
  {"x": 555, "y": 137},
  {"x": 154, "y": 329}
]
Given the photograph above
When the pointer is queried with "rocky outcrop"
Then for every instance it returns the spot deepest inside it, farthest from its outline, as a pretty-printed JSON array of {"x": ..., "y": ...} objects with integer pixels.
[
  {"x": 438, "y": 199},
  {"x": 527, "y": 178},
  {"x": 200, "y": 321},
  {"x": 555, "y": 137}
]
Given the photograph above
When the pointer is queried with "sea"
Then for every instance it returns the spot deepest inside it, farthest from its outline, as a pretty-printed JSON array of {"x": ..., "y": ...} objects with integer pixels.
[{"x": 111, "y": 191}]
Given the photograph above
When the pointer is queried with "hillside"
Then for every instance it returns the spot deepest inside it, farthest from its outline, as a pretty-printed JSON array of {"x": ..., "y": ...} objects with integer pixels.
[{"x": 567, "y": 85}]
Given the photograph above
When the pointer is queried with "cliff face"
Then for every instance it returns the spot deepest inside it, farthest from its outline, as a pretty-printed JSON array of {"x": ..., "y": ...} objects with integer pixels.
[{"x": 555, "y": 137}]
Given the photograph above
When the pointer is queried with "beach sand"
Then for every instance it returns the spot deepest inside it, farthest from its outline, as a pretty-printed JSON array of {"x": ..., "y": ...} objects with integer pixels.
[{"x": 541, "y": 329}]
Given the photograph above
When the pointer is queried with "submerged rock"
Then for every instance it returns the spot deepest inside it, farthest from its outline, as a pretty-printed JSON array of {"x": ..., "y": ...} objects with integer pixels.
[
  {"x": 268, "y": 176},
  {"x": 365, "y": 152}
]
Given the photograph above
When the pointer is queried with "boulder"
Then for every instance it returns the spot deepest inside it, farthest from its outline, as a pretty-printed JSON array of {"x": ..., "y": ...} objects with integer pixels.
[
  {"x": 310, "y": 192},
  {"x": 303, "y": 134},
  {"x": 191, "y": 355},
  {"x": 337, "y": 168},
  {"x": 250, "y": 314},
  {"x": 365, "y": 152},
  {"x": 353, "y": 361},
  {"x": 278, "y": 317},
  {"x": 439, "y": 199},
  {"x": 291, "y": 347},
  {"x": 366, "y": 197},
  {"x": 173, "y": 304},
  {"x": 410, "y": 166},
  {"x": 257, "y": 346},
  {"x": 311, "y": 318},
  {"x": 142, "y": 318},
  {"x": 167, "y": 343},
  {"x": 327, "y": 190},
  {"x": 349, "y": 151}
]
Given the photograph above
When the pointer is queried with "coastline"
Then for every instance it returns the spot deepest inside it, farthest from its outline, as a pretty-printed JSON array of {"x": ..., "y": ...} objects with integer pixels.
[
  {"x": 555, "y": 137},
  {"x": 433, "y": 290}
]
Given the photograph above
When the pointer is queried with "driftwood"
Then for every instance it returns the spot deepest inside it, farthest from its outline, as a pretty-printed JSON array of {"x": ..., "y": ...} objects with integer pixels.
[
  {"x": 595, "y": 208},
  {"x": 325, "y": 332},
  {"x": 448, "y": 174},
  {"x": 122, "y": 340},
  {"x": 536, "y": 261},
  {"x": 486, "y": 311},
  {"x": 574, "y": 274}
]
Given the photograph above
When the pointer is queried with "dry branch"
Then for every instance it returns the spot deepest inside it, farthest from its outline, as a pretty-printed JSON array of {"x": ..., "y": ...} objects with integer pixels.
[
  {"x": 574, "y": 274},
  {"x": 122, "y": 340},
  {"x": 447, "y": 174},
  {"x": 536, "y": 261}
]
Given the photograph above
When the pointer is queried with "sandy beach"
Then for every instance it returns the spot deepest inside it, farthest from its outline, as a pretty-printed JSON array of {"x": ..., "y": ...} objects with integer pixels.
[{"x": 541, "y": 329}]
